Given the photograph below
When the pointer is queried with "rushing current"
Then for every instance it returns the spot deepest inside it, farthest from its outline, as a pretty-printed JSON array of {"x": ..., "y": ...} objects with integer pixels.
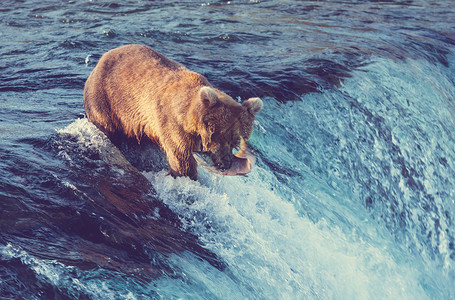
[{"x": 353, "y": 192}]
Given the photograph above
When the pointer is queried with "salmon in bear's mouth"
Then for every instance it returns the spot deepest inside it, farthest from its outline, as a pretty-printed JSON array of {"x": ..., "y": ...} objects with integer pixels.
[{"x": 242, "y": 162}]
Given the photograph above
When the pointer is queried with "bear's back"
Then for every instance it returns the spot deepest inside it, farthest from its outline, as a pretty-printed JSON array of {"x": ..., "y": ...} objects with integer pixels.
[
  {"x": 134, "y": 87},
  {"x": 138, "y": 53}
]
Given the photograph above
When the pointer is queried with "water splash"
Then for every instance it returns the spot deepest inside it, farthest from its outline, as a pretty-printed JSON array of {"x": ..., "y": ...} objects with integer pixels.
[{"x": 273, "y": 252}]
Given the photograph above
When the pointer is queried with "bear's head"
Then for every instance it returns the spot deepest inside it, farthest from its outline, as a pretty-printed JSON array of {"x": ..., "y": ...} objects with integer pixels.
[{"x": 224, "y": 123}]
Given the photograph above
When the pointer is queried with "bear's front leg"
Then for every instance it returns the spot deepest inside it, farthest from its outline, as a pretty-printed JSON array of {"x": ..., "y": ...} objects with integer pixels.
[{"x": 182, "y": 164}]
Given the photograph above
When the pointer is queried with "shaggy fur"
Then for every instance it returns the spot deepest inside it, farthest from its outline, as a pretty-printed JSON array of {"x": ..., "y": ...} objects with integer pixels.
[{"x": 135, "y": 91}]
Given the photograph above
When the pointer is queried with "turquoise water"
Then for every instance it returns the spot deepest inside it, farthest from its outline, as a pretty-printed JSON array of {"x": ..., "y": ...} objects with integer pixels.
[{"x": 352, "y": 195}]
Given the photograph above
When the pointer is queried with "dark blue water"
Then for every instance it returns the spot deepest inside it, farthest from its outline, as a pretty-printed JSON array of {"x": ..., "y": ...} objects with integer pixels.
[{"x": 353, "y": 194}]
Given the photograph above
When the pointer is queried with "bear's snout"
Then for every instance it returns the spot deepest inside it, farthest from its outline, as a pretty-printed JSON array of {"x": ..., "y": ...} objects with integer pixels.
[
  {"x": 222, "y": 159},
  {"x": 225, "y": 164}
]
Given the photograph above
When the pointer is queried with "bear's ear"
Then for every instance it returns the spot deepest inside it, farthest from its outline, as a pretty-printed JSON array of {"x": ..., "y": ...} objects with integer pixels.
[
  {"x": 208, "y": 96},
  {"x": 254, "y": 105}
]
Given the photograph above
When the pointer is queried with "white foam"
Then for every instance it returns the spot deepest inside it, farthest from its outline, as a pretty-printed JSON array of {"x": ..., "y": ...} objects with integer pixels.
[
  {"x": 275, "y": 253},
  {"x": 86, "y": 134},
  {"x": 98, "y": 284}
]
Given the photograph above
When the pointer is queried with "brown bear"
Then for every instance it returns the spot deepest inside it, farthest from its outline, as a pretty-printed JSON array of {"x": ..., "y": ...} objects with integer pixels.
[{"x": 136, "y": 91}]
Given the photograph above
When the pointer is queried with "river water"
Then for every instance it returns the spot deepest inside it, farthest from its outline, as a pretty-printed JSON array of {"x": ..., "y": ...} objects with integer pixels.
[{"x": 353, "y": 193}]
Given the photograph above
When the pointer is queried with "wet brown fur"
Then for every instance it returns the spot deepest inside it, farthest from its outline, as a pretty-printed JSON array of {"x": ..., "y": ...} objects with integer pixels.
[{"x": 136, "y": 91}]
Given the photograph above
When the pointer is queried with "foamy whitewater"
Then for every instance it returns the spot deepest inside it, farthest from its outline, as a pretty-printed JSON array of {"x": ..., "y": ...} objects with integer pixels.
[{"x": 352, "y": 195}]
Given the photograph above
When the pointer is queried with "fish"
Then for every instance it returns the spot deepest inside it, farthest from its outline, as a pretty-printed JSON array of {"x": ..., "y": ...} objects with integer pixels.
[{"x": 242, "y": 162}]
